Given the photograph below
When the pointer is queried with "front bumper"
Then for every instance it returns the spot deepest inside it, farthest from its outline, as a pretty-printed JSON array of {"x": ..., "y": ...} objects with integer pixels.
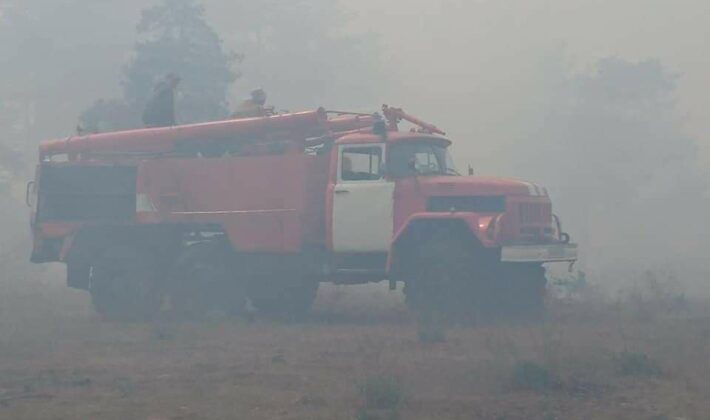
[{"x": 539, "y": 253}]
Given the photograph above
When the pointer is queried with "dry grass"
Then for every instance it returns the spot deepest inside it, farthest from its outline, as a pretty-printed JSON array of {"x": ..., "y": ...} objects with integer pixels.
[{"x": 58, "y": 361}]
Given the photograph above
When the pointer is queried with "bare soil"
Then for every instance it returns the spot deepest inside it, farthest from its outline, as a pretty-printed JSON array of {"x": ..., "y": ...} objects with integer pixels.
[{"x": 58, "y": 360}]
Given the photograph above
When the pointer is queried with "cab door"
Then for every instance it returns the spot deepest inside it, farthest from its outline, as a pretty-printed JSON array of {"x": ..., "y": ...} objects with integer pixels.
[{"x": 363, "y": 202}]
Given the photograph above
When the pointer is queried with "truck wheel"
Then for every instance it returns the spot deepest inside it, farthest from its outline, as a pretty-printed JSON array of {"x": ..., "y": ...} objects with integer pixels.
[
  {"x": 287, "y": 295},
  {"x": 203, "y": 284},
  {"x": 455, "y": 280},
  {"x": 124, "y": 286},
  {"x": 443, "y": 283},
  {"x": 523, "y": 296}
]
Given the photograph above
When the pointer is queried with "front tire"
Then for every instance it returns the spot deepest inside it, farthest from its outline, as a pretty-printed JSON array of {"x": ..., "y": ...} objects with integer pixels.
[
  {"x": 441, "y": 286},
  {"x": 455, "y": 279},
  {"x": 524, "y": 292}
]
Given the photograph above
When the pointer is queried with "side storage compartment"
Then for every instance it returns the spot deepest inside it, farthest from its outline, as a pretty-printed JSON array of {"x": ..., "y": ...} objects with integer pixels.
[{"x": 77, "y": 193}]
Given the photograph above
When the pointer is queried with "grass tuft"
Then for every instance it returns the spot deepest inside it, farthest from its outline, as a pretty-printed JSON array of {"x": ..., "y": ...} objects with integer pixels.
[
  {"x": 381, "y": 392},
  {"x": 532, "y": 376},
  {"x": 628, "y": 363}
]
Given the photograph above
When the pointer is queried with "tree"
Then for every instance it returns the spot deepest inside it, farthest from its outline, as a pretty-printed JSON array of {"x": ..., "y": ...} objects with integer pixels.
[
  {"x": 615, "y": 128},
  {"x": 109, "y": 115},
  {"x": 174, "y": 37},
  {"x": 56, "y": 58},
  {"x": 303, "y": 53},
  {"x": 611, "y": 150}
]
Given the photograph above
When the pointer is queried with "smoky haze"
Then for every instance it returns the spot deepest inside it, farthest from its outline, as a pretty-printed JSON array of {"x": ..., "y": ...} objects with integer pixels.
[
  {"x": 546, "y": 91},
  {"x": 181, "y": 316},
  {"x": 602, "y": 102}
]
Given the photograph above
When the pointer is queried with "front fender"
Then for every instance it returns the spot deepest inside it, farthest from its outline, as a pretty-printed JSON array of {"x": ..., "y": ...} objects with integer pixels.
[{"x": 476, "y": 224}]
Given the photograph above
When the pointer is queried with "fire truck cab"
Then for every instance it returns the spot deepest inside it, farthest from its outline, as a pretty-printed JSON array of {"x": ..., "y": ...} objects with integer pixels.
[{"x": 199, "y": 219}]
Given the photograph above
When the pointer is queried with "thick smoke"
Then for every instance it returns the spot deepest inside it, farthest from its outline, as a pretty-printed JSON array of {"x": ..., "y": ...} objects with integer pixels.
[{"x": 603, "y": 102}]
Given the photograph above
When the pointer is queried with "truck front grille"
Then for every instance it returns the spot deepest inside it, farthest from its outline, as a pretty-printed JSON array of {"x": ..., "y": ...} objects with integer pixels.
[
  {"x": 472, "y": 203},
  {"x": 534, "y": 213}
]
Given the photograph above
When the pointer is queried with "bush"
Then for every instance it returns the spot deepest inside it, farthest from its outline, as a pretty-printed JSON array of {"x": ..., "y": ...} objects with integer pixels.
[
  {"x": 629, "y": 363},
  {"x": 570, "y": 286},
  {"x": 533, "y": 376}
]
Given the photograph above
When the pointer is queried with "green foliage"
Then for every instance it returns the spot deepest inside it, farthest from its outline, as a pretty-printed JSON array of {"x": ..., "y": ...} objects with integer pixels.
[
  {"x": 381, "y": 392},
  {"x": 628, "y": 363},
  {"x": 108, "y": 115},
  {"x": 532, "y": 376},
  {"x": 57, "y": 57},
  {"x": 617, "y": 155},
  {"x": 657, "y": 293},
  {"x": 615, "y": 129},
  {"x": 176, "y": 38},
  {"x": 571, "y": 285}
]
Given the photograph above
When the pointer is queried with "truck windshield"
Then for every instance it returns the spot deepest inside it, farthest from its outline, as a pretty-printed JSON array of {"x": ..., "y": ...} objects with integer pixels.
[{"x": 409, "y": 159}]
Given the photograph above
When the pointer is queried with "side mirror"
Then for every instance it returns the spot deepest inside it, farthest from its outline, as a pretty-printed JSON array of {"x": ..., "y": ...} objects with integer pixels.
[{"x": 29, "y": 190}]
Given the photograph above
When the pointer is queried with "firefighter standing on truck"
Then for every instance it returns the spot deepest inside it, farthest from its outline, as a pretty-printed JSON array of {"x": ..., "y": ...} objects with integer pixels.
[
  {"x": 160, "y": 109},
  {"x": 253, "y": 107}
]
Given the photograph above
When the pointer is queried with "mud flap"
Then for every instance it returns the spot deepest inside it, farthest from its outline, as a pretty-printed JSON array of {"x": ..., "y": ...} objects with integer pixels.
[{"x": 78, "y": 275}]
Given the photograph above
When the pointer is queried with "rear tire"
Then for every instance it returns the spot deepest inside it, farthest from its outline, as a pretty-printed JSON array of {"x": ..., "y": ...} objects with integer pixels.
[
  {"x": 124, "y": 286},
  {"x": 288, "y": 295},
  {"x": 203, "y": 284}
]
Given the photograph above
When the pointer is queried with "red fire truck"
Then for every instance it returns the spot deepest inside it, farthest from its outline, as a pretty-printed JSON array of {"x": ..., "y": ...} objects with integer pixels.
[{"x": 200, "y": 218}]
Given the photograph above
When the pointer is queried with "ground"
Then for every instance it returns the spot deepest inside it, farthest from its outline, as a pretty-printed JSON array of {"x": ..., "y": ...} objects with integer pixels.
[{"x": 58, "y": 360}]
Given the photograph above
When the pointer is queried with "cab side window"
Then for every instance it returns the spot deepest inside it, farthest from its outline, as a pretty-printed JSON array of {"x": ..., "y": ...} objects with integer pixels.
[{"x": 362, "y": 163}]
